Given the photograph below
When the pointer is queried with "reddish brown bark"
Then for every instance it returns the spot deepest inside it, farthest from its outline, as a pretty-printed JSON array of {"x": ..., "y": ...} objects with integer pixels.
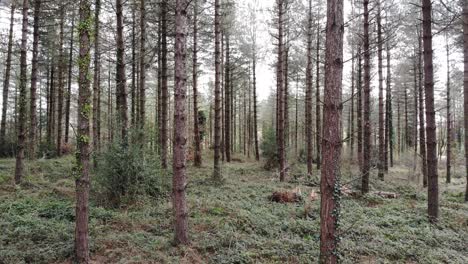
[
  {"x": 432, "y": 174},
  {"x": 331, "y": 140}
]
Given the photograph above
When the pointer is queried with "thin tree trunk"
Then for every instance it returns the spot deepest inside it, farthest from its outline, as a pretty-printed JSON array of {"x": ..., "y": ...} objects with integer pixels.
[
  {"x": 133, "y": 92},
  {"x": 19, "y": 169},
  {"x": 84, "y": 115},
  {"x": 196, "y": 130},
  {"x": 351, "y": 125},
  {"x": 432, "y": 175},
  {"x": 255, "y": 125},
  {"x": 389, "y": 118},
  {"x": 164, "y": 86},
  {"x": 6, "y": 80},
  {"x": 449, "y": 119},
  {"x": 359, "y": 110},
  {"x": 318, "y": 122},
  {"x": 96, "y": 82},
  {"x": 381, "y": 164},
  {"x": 366, "y": 110},
  {"x": 60, "y": 84},
  {"x": 331, "y": 140},
  {"x": 227, "y": 103},
  {"x": 121, "y": 78},
  {"x": 217, "y": 91},
  {"x": 280, "y": 85},
  {"x": 33, "y": 91},
  {"x": 142, "y": 95},
  {"x": 308, "y": 102},
  {"x": 422, "y": 133},
  {"x": 465, "y": 88},
  {"x": 69, "y": 82}
]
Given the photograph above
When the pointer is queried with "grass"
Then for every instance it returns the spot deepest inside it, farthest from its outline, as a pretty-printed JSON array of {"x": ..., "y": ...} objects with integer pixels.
[{"x": 231, "y": 223}]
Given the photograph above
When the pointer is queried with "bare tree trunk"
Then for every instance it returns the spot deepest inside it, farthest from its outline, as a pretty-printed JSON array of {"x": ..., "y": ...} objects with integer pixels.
[
  {"x": 280, "y": 85},
  {"x": 318, "y": 122},
  {"x": 432, "y": 175},
  {"x": 255, "y": 125},
  {"x": 227, "y": 103},
  {"x": 217, "y": 91},
  {"x": 84, "y": 115},
  {"x": 308, "y": 102},
  {"x": 121, "y": 76},
  {"x": 331, "y": 140},
  {"x": 164, "y": 87},
  {"x": 422, "y": 132},
  {"x": 33, "y": 91},
  {"x": 60, "y": 84},
  {"x": 142, "y": 86},
  {"x": 389, "y": 124},
  {"x": 449, "y": 119},
  {"x": 366, "y": 110},
  {"x": 69, "y": 82},
  {"x": 96, "y": 82},
  {"x": 19, "y": 170},
  {"x": 351, "y": 123},
  {"x": 465, "y": 88},
  {"x": 179, "y": 181},
  {"x": 133, "y": 89},
  {"x": 196, "y": 130},
  {"x": 6, "y": 80},
  {"x": 359, "y": 110},
  {"x": 381, "y": 163}
]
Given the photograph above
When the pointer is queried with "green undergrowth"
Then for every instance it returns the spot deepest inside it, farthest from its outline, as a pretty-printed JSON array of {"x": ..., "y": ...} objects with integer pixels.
[{"x": 229, "y": 223}]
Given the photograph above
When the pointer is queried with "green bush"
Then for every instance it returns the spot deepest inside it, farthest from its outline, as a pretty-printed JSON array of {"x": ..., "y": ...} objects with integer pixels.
[
  {"x": 126, "y": 172},
  {"x": 269, "y": 148}
]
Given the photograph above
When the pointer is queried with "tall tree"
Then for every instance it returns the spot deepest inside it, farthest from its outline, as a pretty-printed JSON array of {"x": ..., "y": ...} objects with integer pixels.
[
  {"x": 164, "y": 87},
  {"x": 69, "y": 82},
  {"x": 19, "y": 170},
  {"x": 142, "y": 72},
  {"x": 83, "y": 137},
  {"x": 196, "y": 129},
  {"x": 33, "y": 91},
  {"x": 308, "y": 102},
  {"x": 449, "y": 119},
  {"x": 381, "y": 163},
  {"x": 179, "y": 182},
  {"x": 366, "y": 110},
  {"x": 465, "y": 88},
  {"x": 227, "y": 101},
  {"x": 96, "y": 81},
  {"x": 217, "y": 92},
  {"x": 318, "y": 122},
  {"x": 331, "y": 140},
  {"x": 121, "y": 78},
  {"x": 280, "y": 88},
  {"x": 61, "y": 83},
  {"x": 6, "y": 79},
  {"x": 432, "y": 174}
]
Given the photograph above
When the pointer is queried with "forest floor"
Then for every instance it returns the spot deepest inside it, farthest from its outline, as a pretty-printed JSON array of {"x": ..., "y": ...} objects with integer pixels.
[{"x": 232, "y": 223}]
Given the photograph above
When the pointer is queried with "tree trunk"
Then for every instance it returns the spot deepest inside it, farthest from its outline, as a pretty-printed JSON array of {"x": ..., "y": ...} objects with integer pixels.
[
  {"x": 432, "y": 175},
  {"x": 449, "y": 119},
  {"x": 33, "y": 91},
  {"x": 331, "y": 140},
  {"x": 164, "y": 87},
  {"x": 255, "y": 125},
  {"x": 280, "y": 85},
  {"x": 366, "y": 110},
  {"x": 308, "y": 102},
  {"x": 318, "y": 127},
  {"x": 133, "y": 92},
  {"x": 19, "y": 170},
  {"x": 227, "y": 103},
  {"x": 69, "y": 83},
  {"x": 196, "y": 130},
  {"x": 84, "y": 115},
  {"x": 359, "y": 110},
  {"x": 121, "y": 78},
  {"x": 389, "y": 118},
  {"x": 217, "y": 91},
  {"x": 422, "y": 133},
  {"x": 179, "y": 181},
  {"x": 142, "y": 86},
  {"x": 381, "y": 164},
  {"x": 96, "y": 82},
  {"x": 6, "y": 80},
  {"x": 465, "y": 88},
  {"x": 60, "y": 84}
]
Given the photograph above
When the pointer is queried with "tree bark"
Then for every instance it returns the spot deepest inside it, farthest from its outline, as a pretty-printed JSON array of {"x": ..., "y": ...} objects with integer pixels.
[
  {"x": 142, "y": 95},
  {"x": 196, "y": 130},
  {"x": 389, "y": 117},
  {"x": 164, "y": 87},
  {"x": 449, "y": 120},
  {"x": 308, "y": 102},
  {"x": 60, "y": 84},
  {"x": 33, "y": 91},
  {"x": 465, "y": 88},
  {"x": 318, "y": 122},
  {"x": 227, "y": 103},
  {"x": 432, "y": 174},
  {"x": 366, "y": 110},
  {"x": 217, "y": 91},
  {"x": 359, "y": 110},
  {"x": 19, "y": 169},
  {"x": 255, "y": 125},
  {"x": 331, "y": 140},
  {"x": 280, "y": 85},
  {"x": 83, "y": 137},
  {"x": 180, "y": 139},
  {"x": 121, "y": 78},
  {"x": 96, "y": 82},
  {"x": 381, "y": 164},
  {"x": 69, "y": 82},
  {"x": 6, "y": 80}
]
